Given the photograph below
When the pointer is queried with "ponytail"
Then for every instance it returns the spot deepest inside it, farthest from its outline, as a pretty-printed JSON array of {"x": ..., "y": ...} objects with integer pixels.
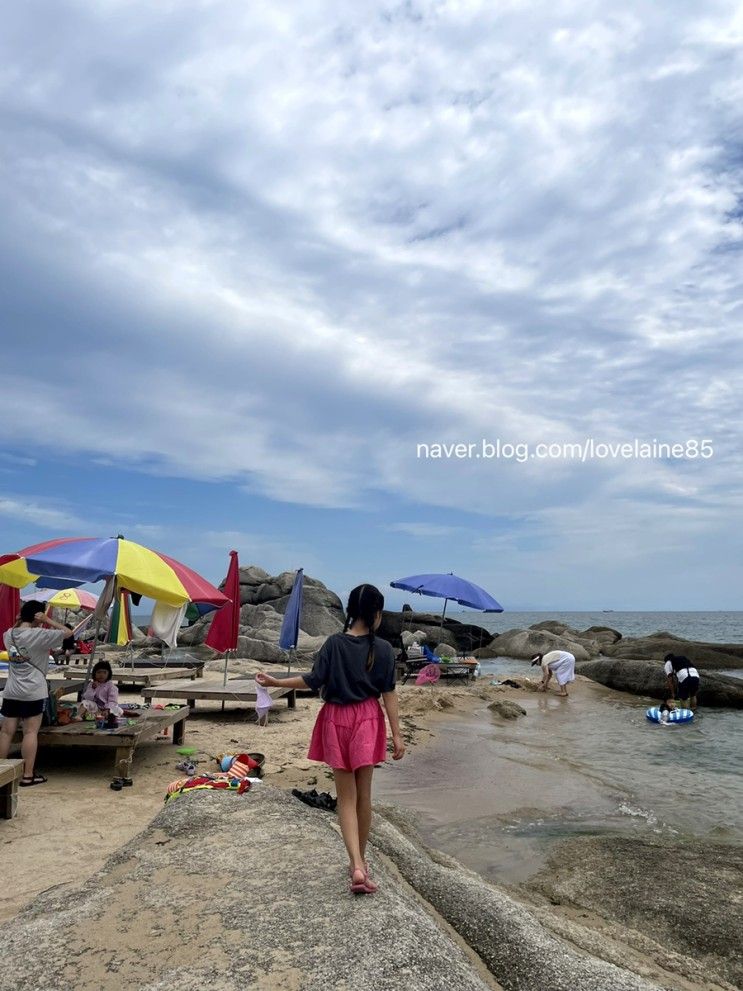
[{"x": 364, "y": 602}]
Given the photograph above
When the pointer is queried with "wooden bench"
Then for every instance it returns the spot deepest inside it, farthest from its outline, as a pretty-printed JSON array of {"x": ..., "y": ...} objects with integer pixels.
[
  {"x": 236, "y": 690},
  {"x": 146, "y": 676},
  {"x": 58, "y": 686},
  {"x": 11, "y": 772},
  {"x": 123, "y": 739}
]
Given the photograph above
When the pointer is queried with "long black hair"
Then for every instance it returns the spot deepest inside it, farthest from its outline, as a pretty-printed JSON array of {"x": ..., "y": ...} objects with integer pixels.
[
  {"x": 364, "y": 602},
  {"x": 102, "y": 666}
]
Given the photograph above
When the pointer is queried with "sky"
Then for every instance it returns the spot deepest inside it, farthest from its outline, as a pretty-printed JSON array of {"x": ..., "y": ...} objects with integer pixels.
[{"x": 254, "y": 254}]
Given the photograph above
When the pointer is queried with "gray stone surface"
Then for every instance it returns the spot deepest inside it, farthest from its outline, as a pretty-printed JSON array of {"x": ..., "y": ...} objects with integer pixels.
[
  {"x": 524, "y": 644},
  {"x": 464, "y": 636},
  {"x": 225, "y": 892},
  {"x": 634, "y": 883},
  {"x": 644, "y": 677},
  {"x": 517, "y": 948},
  {"x": 705, "y": 656},
  {"x": 263, "y": 603}
]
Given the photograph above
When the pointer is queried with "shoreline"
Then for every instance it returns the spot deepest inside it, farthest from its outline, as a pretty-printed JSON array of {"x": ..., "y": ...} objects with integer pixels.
[{"x": 69, "y": 829}]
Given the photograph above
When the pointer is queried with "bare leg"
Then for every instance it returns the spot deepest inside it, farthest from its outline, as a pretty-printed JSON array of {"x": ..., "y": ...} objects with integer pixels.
[
  {"x": 7, "y": 732},
  {"x": 30, "y": 743},
  {"x": 363, "y": 777},
  {"x": 345, "y": 789}
]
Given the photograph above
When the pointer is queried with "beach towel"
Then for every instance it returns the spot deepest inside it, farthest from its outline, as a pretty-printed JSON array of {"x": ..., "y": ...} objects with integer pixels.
[
  {"x": 206, "y": 782},
  {"x": 166, "y": 621}
]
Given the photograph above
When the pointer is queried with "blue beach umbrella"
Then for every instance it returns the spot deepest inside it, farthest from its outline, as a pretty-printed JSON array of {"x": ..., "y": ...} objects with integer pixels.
[
  {"x": 289, "y": 636},
  {"x": 450, "y": 587}
]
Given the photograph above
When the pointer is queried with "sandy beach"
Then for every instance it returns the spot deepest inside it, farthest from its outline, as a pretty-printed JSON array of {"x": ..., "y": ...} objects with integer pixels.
[{"x": 65, "y": 829}]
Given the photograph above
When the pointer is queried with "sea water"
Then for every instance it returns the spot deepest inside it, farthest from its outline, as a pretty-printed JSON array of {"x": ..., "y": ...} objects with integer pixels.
[{"x": 498, "y": 794}]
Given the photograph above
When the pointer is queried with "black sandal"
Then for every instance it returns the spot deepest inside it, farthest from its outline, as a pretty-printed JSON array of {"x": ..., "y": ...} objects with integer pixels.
[{"x": 35, "y": 779}]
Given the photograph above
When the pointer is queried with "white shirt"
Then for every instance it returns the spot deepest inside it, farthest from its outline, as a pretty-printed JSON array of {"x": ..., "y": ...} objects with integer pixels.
[
  {"x": 683, "y": 673},
  {"x": 27, "y": 679}
]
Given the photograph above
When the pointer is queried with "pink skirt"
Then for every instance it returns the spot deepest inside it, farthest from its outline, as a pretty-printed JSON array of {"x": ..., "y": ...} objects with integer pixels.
[{"x": 347, "y": 737}]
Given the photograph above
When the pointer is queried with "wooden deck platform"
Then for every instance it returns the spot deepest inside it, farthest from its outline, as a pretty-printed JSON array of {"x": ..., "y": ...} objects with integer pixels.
[
  {"x": 59, "y": 686},
  {"x": 145, "y": 676},
  {"x": 236, "y": 690},
  {"x": 11, "y": 772},
  {"x": 123, "y": 740}
]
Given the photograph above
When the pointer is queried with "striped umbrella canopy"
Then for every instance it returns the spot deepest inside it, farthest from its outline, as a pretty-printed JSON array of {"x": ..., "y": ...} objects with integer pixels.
[
  {"x": 120, "y": 626},
  {"x": 91, "y": 559},
  {"x": 66, "y": 598}
]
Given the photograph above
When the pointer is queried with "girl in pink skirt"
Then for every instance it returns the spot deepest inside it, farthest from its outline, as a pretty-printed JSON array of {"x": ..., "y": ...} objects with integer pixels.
[{"x": 352, "y": 671}]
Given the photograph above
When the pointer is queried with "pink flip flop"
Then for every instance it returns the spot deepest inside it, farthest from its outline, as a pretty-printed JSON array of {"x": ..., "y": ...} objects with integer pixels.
[{"x": 363, "y": 886}]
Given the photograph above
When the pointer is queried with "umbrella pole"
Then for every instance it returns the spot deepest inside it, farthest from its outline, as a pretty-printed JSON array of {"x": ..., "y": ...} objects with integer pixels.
[
  {"x": 289, "y": 669},
  {"x": 443, "y": 613}
]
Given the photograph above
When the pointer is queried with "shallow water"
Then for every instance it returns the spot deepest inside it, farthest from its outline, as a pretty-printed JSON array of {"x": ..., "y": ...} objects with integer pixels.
[{"x": 497, "y": 793}]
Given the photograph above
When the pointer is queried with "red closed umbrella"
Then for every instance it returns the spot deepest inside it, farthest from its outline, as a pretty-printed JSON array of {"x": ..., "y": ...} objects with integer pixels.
[
  {"x": 222, "y": 635},
  {"x": 10, "y": 604}
]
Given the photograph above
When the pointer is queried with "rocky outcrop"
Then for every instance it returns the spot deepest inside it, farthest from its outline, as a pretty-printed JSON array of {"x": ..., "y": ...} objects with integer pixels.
[
  {"x": 263, "y": 599},
  {"x": 643, "y": 677},
  {"x": 705, "y": 656},
  {"x": 594, "y": 634},
  {"x": 507, "y": 709},
  {"x": 464, "y": 637},
  {"x": 524, "y": 644},
  {"x": 627, "y": 881},
  {"x": 177, "y": 907}
]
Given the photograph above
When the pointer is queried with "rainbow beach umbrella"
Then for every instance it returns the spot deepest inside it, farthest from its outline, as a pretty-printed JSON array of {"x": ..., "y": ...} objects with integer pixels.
[
  {"x": 91, "y": 559},
  {"x": 66, "y": 598}
]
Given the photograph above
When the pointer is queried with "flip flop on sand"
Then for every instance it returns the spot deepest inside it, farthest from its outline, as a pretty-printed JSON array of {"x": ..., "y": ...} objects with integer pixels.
[{"x": 35, "y": 779}]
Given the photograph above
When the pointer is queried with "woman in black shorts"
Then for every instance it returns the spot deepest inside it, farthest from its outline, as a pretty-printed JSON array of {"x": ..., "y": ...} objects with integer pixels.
[
  {"x": 28, "y": 644},
  {"x": 682, "y": 678}
]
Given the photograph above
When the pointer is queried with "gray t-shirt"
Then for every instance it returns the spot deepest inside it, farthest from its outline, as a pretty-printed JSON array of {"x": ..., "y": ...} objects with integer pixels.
[
  {"x": 27, "y": 679},
  {"x": 340, "y": 673}
]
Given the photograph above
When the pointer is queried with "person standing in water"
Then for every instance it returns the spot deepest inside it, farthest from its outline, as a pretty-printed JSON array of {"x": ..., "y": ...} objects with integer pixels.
[
  {"x": 682, "y": 679},
  {"x": 561, "y": 664},
  {"x": 352, "y": 671}
]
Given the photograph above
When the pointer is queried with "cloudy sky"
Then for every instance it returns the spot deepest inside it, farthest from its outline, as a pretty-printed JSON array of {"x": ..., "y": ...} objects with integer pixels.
[{"x": 254, "y": 253}]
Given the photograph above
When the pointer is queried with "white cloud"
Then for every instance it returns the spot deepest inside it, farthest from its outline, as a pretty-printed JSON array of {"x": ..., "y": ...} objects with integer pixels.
[{"x": 279, "y": 247}]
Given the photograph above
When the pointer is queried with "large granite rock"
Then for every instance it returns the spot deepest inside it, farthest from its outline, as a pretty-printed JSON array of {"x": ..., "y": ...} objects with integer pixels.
[
  {"x": 594, "y": 634},
  {"x": 263, "y": 600},
  {"x": 463, "y": 636},
  {"x": 631, "y": 882},
  {"x": 524, "y": 644},
  {"x": 210, "y": 897},
  {"x": 705, "y": 656},
  {"x": 643, "y": 677}
]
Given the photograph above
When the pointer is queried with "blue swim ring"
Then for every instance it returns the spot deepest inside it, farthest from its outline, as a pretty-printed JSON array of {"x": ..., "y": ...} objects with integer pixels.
[{"x": 677, "y": 716}]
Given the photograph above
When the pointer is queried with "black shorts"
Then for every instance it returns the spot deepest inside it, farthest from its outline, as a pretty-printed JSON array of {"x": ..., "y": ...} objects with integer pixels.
[
  {"x": 688, "y": 688},
  {"x": 19, "y": 709}
]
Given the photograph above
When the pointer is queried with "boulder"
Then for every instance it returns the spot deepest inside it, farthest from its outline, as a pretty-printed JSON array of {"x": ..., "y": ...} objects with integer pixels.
[
  {"x": 594, "y": 634},
  {"x": 630, "y": 881},
  {"x": 463, "y": 636},
  {"x": 408, "y": 639},
  {"x": 445, "y": 650},
  {"x": 705, "y": 656},
  {"x": 643, "y": 677},
  {"x": 524, "y": 644},
  {"x": 263, "y": 600},
  {"x": 507, "y": 709}
]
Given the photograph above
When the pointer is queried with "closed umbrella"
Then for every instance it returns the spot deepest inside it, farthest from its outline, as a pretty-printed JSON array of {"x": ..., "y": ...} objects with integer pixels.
[
  {"x": 450, "y": 587},
  {"x": 10, "y": 604},
  {"x": 223, "y": 632},
  {"x": 289, "y": 636}
]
